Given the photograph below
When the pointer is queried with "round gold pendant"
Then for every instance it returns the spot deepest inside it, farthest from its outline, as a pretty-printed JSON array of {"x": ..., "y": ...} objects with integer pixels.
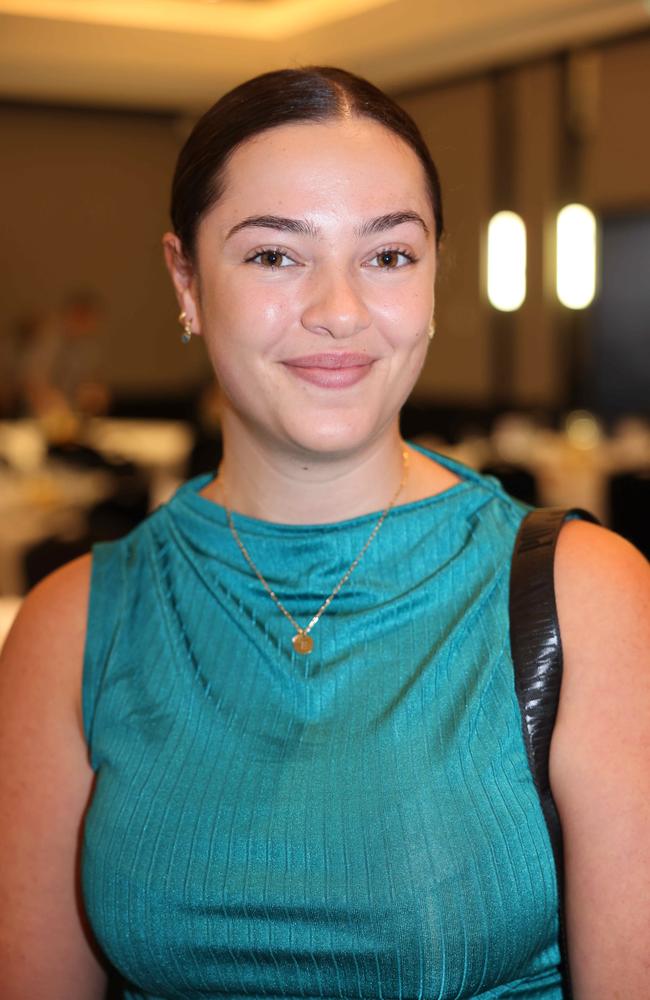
[{"x": 303, "y": 643}]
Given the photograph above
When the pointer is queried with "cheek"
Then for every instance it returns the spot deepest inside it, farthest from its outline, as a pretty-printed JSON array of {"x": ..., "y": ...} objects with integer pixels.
[
  {"x": 242, "y": 332},
  {"x": 405, "y": 319},
  {"x": 254, "y": 317}
]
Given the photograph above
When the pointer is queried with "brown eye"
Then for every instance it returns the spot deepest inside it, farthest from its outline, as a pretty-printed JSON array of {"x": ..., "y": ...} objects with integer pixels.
[
  {"x": 388, "y": 258},
  {"x": 271, "y": 258}
]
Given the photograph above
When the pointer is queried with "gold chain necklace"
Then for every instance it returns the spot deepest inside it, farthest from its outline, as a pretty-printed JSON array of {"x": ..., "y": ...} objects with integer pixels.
[{"x": 302, "y": 640}]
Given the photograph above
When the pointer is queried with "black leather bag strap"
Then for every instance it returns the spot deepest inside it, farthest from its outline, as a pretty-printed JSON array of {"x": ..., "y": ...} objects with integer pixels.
[{"x": 537, "y": 656}]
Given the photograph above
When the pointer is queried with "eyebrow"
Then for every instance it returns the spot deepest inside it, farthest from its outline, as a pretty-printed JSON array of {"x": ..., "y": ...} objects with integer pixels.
[
  {"x": 384, "y": 222},
  {"x": 299, "y": 226},
  {"x": 302, "y": 227}
]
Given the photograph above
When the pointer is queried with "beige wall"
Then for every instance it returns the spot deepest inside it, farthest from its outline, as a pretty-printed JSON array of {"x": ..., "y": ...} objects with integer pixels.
[
  {"x": 617, "y": 167},
  {"x": 455, "y": 122},
  {"x": 84, "y": 202},
  {"x": 536, "y": 357},
  {"x": 615, "y": 177},
  {"x": 83, "y": 199}
]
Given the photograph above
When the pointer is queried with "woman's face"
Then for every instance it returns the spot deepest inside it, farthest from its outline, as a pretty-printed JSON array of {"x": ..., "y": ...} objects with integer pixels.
[{"x": 315, "y": 279}]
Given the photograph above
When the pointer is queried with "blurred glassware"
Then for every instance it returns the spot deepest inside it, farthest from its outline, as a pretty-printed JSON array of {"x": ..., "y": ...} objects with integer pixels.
[
  {"x": 22, "y": 444},
  {"x": 583, "y": 430},
  {"x": 513, "y": 438},
  {"x": 630, "y": 441}
]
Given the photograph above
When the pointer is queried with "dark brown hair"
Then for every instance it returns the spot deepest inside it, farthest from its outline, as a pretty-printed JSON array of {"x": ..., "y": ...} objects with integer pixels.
[{"x": 281, "y": 97}]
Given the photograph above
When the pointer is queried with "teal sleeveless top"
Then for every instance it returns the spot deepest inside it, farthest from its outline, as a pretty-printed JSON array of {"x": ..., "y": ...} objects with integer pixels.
[{"x": 360, "y": 822}]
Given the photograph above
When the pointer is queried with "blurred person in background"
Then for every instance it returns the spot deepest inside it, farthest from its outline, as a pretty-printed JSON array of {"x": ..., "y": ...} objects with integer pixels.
[
  {"x": 60, "y": 360},
  {"x": 268, "y": 744}
]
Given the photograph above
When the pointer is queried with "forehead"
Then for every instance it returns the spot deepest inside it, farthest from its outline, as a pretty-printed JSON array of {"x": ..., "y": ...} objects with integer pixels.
[{"x": 353, "y": 165}]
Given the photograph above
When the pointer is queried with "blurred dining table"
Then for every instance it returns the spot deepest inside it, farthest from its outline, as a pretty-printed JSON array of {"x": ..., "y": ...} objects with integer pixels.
[
  {"x": 572, "y": 466},
  {"x": 50, "y": 501},
  {"x": 160, "y": 448},
  {"x": 43, "y": 496}
]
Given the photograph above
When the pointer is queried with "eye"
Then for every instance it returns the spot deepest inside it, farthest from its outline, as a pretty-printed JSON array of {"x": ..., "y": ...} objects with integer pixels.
[
  {"x": 271, "y": 258},
  {"x": 391, "y": 258}
]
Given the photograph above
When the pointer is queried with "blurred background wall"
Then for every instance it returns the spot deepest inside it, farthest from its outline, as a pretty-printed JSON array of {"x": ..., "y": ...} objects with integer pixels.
[
  {"x": 556, "y": 123},
  {"x": 84, "y": 194},
  {"x": 527, "y": 105}
]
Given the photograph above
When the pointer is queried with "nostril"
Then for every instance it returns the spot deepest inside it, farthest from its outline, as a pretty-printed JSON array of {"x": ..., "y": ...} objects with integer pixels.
[{"x": 338, "y": 311}]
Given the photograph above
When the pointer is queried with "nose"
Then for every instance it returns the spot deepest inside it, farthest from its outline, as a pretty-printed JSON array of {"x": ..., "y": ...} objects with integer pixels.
[{"x": 336, "y": 308}]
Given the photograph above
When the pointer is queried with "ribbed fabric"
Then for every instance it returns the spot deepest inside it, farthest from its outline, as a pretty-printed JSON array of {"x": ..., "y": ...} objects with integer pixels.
[{"x": 356, "y": 823}]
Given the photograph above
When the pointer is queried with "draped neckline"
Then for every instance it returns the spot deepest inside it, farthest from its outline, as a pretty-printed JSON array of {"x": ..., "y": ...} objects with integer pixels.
[{"x": 189, "y": 498}]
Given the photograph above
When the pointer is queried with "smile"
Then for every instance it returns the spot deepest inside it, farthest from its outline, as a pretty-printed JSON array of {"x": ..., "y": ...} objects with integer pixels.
[{"x": 336, "y": 370}]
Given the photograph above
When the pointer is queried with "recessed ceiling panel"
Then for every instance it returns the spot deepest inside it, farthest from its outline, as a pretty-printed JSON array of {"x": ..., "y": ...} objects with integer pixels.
[{"x": 179, "y": 54}]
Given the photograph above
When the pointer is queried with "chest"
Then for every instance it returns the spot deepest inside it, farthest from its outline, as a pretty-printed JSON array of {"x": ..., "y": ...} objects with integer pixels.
[{"x": 371, "y": 830}]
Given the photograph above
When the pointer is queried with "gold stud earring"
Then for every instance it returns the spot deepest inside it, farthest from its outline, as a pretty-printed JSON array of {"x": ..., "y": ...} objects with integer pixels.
[
  {"x": 432, "y": 330},
  {"x": 186, "y": 335}
]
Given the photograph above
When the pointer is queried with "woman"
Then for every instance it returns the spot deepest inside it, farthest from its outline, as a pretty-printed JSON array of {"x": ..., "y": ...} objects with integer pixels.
[{"x": 290, "y": 762}]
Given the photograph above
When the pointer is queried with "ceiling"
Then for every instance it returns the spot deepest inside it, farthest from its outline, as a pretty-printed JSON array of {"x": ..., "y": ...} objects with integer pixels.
[{"x": 181, "y": 54}]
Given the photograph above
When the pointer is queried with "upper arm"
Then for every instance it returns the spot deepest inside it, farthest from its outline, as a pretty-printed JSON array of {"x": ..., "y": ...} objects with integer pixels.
[
  {"x": 46, "y": 948},
  {"x": 600, "y": 760}
]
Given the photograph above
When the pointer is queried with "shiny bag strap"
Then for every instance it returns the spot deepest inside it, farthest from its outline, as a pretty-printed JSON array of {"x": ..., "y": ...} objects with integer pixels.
[{"x": 537, "y": 656}]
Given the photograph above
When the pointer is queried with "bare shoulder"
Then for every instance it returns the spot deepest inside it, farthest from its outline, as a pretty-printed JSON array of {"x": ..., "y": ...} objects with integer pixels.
[
  {"x": 603, "y": 594},
  {"x": 600, "y": 759},
  {"x": 48, "y": 635},
  {"x": 585, "y": 549},
  {"x": 602, "y": 586},
  {"x": 62, "y": 593},
  {"x": 46, "y": 781}
]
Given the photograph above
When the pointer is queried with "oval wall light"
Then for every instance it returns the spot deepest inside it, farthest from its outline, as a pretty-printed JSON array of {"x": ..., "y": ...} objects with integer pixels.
[
  {"x": 576, "y": 249},
  {"x": 506, "y": 261}
]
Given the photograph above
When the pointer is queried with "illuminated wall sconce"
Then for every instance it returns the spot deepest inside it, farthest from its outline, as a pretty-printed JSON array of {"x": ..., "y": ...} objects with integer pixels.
[
  {"x": 506, "y": 261},
  {"x": 576, "y": 244}
]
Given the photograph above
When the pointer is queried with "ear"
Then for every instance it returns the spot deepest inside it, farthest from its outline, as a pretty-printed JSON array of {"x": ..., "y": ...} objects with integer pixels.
[{"x": 184, "y": 279}]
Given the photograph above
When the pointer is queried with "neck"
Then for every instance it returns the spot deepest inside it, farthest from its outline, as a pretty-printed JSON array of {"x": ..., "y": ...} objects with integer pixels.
[{"x": 301, "y": 488}]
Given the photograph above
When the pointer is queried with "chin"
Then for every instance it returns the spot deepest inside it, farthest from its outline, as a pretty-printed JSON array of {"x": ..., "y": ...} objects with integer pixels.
[{"x": 331, "y": 436}]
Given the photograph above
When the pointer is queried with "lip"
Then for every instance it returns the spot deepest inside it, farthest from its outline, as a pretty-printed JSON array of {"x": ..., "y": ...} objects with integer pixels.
[
  {"x": 332, "y": 359},
  {"x": 335, "y": 370}
]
